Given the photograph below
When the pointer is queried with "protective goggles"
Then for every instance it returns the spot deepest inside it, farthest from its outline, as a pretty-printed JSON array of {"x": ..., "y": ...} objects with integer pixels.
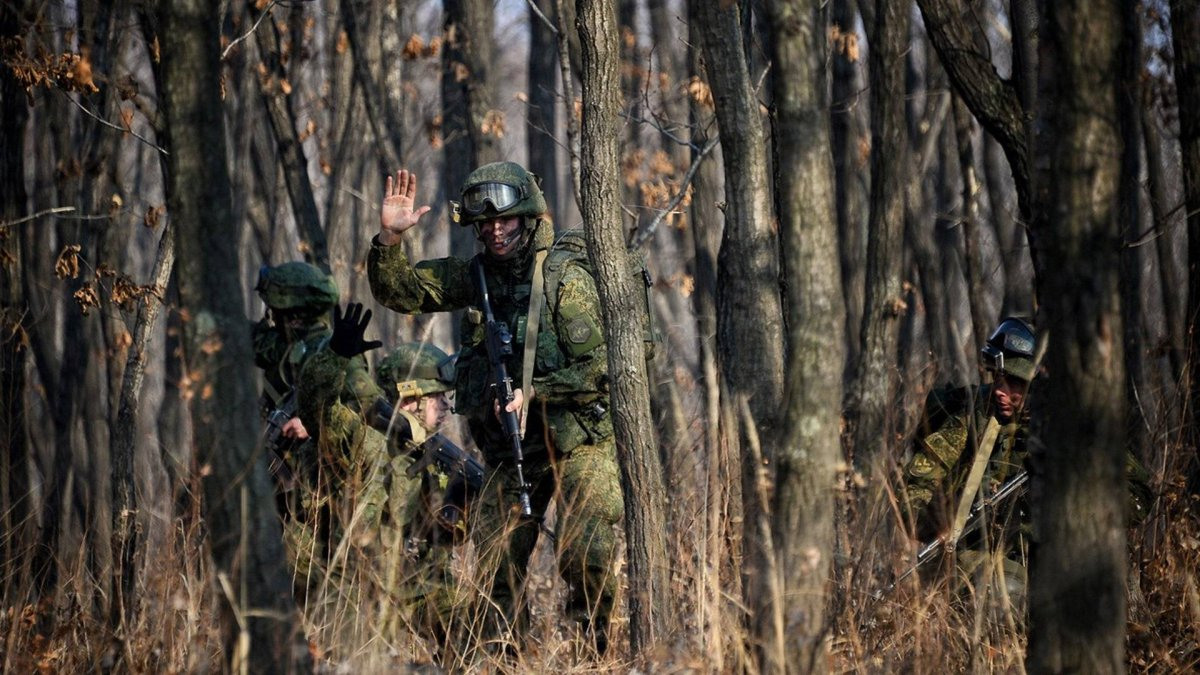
[
  {"x": 500, "y": 195},
  {"x": 1006, "y": 343}
]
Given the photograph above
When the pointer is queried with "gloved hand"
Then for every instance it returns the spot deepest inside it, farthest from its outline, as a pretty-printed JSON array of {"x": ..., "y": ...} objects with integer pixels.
[{"x": 348, "y": 331}]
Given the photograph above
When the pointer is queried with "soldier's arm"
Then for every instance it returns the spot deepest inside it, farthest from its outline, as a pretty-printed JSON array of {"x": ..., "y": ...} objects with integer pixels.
[
  {"x": 582, "y": 378},
  {"x": 270, "y": 345},
  {"x": 436, "y": 285}
]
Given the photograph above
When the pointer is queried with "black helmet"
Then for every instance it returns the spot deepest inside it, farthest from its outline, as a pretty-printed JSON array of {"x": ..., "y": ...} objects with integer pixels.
[
  {"x": 499, "y": 189},
  {"x": 1011, "y": 348}
]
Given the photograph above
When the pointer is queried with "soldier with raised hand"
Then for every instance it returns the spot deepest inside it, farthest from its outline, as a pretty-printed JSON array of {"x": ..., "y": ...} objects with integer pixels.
[{"x": 558, "y": 362}]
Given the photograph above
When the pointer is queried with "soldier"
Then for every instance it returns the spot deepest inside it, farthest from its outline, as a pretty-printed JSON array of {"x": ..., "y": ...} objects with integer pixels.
[
  {"x": 568, "y": 444},
  {"x": 944, "y": 479}
]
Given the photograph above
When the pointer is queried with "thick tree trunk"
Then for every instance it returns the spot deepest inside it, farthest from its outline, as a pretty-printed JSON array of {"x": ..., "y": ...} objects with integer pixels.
[
  {"x": 16, "y": 505},
  {"x": 1185, "y": 30},
  {"x": 793, "y": 627},
  {"x": 242, "y": 524},
  {"x": 281, "y": 114},
  {"x": 1077, "y": 592},
  {"x": 869, "y": 409},
  {"x": 467, "y": 95},
  {"x": 650, "y": 609},
  {"x": 749, "y": 310},
  {"x": 542, "y": 121},
  {"x": 850, "y": 164}
]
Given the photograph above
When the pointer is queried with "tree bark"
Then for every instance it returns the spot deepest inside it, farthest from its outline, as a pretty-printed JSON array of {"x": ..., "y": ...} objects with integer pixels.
[
  {"x": 849, "y": 163},
  {"x": 1170, "y": 276},
  {"x": 467, "y": 95},
  {"x": 749, "y": 310},
  {"x": 1185, "y": 31},
  {"x": 793, "y": 627},
  {"x": 869, "y": 410},
  {"x": 16, "y": 505},
  {"x": 243, "y": 527},
  {"x": 542, "y": 121},
  {"x": 650, "y": 609},
  {"x": 1077, "y": 575},
  {"x": 282, "y": 116},
  {"x": 993, "y": 100}
]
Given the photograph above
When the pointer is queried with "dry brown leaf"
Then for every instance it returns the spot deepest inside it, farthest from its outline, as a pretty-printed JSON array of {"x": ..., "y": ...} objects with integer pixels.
[{"x": 67, "y": 264}]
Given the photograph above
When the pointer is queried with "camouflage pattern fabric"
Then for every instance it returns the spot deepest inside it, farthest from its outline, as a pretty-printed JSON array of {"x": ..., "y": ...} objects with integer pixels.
[
  {"x": 567, "y": 425},
  {"x": 382, "y": 510},
  {"x": 939, "y": 466}
]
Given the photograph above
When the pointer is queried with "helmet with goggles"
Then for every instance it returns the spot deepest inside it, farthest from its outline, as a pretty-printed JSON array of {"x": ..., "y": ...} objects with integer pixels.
[
  {"x": 415, "y": 369},
  {"x": 499, "y": 189},
  {"x": 1010, "y": 349}
]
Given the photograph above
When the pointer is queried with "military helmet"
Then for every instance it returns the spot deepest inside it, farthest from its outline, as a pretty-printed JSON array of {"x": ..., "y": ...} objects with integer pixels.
[
  {"x": 297, "y": 287},
  {"x": 499, "y": 189},
  {"x": 415, "y": 369},
  {"x": 1011, "y": 347}
]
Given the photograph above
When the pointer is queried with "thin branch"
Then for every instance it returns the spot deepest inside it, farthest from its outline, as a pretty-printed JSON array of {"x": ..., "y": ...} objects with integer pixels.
[
  {"x": 126, "y": 130},
  {"x": 265, "y": 13},
  {"x": 640, "y": 237},
  {"x": 549, "y": 24},
  {"x": 39, "y": 214}
]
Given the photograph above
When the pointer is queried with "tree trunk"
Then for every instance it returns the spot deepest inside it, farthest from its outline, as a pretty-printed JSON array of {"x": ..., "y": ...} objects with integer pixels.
[
  {"x": 281, "y": 114},
  {"x": 869, "y": 410},
  {"x": 749, "y": 310},
  {"x": 1077, "y": 591},
  {"x": 849, "y": 164},
  {"x": 467, "y": 95},
  {"x": 793, "y": 627},
  {"x": 1185, "y": 30},
  {"x": 542, "y": 121},
  {"x": 1171, "y": 279},
  {"x": 617, "y": 281},
  {"x": 16, "y": 505},
  {"x": 243, "y": 527}
]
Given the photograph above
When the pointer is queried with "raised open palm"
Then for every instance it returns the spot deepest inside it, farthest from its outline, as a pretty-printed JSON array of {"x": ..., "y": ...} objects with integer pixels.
[{"x": 397, "y": 214}]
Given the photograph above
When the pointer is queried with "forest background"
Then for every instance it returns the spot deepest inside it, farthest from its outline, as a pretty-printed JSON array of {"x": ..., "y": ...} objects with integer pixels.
[{"x": 837, "y": 201}]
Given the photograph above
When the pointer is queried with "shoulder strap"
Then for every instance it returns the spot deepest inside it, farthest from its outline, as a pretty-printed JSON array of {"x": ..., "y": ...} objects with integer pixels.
[
  {"x": 532, "y": 321},
  {"x": 983, "y": 453}
]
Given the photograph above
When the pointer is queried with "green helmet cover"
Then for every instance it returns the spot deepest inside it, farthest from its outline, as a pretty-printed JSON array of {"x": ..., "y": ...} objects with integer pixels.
[
  {"x": 531, "y": 203},
  {"x": 415, "y": 369},
  {"x": 1011, "y": 349},
  {"x": 297, "y": 286}
]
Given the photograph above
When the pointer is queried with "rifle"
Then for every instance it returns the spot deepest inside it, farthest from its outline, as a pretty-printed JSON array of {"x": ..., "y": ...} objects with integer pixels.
[
  {"x": 1012, "y": 488},
  {"x": 498, "y": 341},
  {"x": 274, "y": 441},
  {"x": 451, "y": 459}
]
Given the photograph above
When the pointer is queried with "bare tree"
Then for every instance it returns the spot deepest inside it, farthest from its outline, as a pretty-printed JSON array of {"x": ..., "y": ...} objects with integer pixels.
[
  {"x": 1077, "y": 593},
  {"x": 792, "y": 623},
  {"x": 650, "y": 608},
  {"x": 1185, "y": 30},
  {"x": 243, "y": 527},
  {"x": 874, "y": 386}
]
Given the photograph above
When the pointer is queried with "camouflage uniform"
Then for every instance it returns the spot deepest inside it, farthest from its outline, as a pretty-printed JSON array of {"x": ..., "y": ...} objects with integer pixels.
[
  {"x": 568, "y": 442},
  {"x": 953, "y": 420}
]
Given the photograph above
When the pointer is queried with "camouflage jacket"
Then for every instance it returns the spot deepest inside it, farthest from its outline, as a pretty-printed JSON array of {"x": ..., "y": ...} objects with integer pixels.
[
  {"x": 570, "y": 378},
  {"x": 281, "y": 356},
  {"x": 936, "y": 474}
]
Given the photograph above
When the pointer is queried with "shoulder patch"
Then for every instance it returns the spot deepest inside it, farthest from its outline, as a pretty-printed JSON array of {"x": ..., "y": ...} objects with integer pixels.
[{"x": 579, "y": 331}]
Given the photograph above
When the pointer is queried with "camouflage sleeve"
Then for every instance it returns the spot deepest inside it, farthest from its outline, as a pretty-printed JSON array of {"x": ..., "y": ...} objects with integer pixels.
[
  {"x": 927, "y": 476},
  {"x": 436, "y": 285},
  {"x": 330, "y": 379},
  {"x": 576, "y": 323},
  {"x": 270, "y": 345}
]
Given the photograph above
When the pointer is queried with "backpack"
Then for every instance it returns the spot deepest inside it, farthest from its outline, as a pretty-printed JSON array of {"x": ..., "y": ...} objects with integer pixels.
[{"x": 570, "y": 249}]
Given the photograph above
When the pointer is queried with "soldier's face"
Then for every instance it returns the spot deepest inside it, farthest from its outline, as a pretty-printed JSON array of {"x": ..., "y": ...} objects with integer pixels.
[
  {"x": 501, "y": 235},
  {"x": 1008, "y": 395},
  {"x": 437, "y": 406}
]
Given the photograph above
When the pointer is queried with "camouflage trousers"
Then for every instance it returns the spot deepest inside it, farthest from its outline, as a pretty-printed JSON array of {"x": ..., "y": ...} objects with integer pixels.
[
  {"x": 586, "y": 489},
  {"x": 356, "y": 553}
]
